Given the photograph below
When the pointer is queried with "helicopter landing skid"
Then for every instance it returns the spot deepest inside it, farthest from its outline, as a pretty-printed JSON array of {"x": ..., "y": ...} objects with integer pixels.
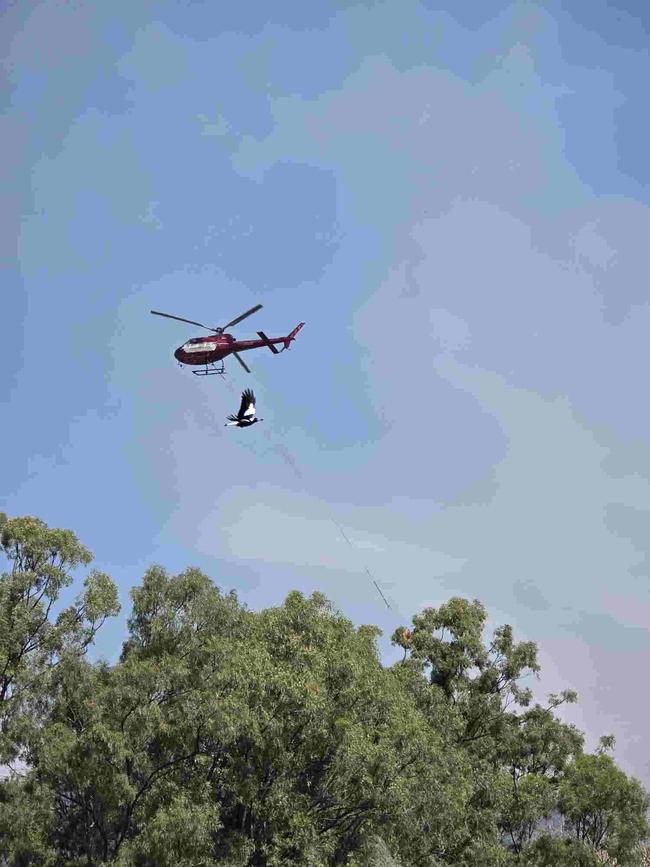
[{"x": 211, "y": 370}]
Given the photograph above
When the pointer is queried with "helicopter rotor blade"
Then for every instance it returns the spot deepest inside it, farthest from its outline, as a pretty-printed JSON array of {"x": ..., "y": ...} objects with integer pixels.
[
  {"x": 180, "y": 319},
  {"x": 241, "y": 361},
  {"x": 244, "y": 315}
]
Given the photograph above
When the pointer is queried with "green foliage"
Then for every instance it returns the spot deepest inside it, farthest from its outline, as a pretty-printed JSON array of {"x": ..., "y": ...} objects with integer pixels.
[
  {"x": 480, "y": 682},
  {"x": 32, "y": 644},
  {"x": 548, "y": 851},
  {"x": 226, "y": 736},
  {"x": 25, "y": 822},
  {"x": 604, "y": 808}
]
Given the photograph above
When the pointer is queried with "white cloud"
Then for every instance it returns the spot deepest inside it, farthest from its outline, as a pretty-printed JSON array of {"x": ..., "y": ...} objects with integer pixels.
[{"x": 271, "y": 526}]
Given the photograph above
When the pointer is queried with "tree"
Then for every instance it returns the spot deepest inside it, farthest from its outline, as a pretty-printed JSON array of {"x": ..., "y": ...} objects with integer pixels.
[
  {"x": 128, "y": 752},
  {"x": 604, "y": 809},
  {"x": 534, "y": 751},
  {"x": 228, "y": 736},
  {"x": 31, "y": 644},
  {"x": 480, "y": 682},
  {"x": 241, "y": 738},
  {"x": 526, "y": 764},
  {"x": 469, "y": 691}
]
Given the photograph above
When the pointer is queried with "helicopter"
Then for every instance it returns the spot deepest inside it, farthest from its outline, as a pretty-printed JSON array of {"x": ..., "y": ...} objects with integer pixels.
[{"x": 206, "y": 351}]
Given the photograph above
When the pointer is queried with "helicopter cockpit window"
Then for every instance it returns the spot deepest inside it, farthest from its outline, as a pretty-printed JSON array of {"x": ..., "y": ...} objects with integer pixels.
[{"x": 196, "y": 344}]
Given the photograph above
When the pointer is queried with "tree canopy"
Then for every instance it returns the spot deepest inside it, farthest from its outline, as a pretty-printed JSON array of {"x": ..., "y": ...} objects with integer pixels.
[{"x": 235, "y": 737}]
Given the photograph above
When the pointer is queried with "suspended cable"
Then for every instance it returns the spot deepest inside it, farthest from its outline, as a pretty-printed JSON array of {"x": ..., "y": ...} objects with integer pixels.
[{"x": 288, "y": 459}]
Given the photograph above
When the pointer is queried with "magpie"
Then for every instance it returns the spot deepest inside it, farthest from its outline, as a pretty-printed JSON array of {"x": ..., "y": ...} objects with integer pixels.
[{"x": 246, "y": 415}]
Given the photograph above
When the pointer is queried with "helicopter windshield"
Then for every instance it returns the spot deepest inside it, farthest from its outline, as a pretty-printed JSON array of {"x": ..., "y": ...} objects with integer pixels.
[{"x": 199, "y": 344}]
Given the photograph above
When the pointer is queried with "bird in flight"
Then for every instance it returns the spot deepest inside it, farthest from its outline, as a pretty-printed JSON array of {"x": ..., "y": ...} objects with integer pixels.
[{"x": 246, "y": 415}]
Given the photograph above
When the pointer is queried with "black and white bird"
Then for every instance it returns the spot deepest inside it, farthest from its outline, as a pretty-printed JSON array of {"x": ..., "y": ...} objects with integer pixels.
[{"x": 246, "y": 415}]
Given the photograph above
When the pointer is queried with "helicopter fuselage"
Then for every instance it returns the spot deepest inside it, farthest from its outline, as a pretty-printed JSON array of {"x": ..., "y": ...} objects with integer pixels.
[{"x": 206, "y": 350}]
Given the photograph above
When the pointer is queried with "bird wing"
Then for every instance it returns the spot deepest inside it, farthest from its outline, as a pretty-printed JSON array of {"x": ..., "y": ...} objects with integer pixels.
[
  {"x": 247, "y": 408},
  {"x": 232, "y": 418}
]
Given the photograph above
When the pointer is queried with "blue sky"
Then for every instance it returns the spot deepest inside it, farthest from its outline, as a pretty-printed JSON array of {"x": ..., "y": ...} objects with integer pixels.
[{"x": 454, "y": 198}]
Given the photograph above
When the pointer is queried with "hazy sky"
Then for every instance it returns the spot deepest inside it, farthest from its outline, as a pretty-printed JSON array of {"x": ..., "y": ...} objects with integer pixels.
[{"x": 457, "y": 203}]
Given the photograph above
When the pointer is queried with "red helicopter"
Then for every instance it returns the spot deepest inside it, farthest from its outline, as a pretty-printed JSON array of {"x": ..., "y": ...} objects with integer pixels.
[{"x": 205, "y": 351}]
